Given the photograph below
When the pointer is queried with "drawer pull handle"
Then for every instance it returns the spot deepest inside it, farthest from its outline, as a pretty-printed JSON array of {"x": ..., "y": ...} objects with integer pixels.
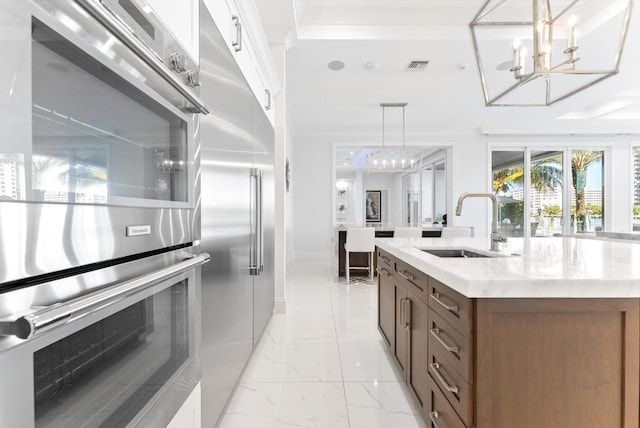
[
  {"x": 382, "y": 271},
  {"x": 433, "y": 416},
  {"x": 436, "y": 370},
  {"x": 409, "y": 277},
  {"x": 383, "y": 258},
  {"x": 435, "y": 332},
  {"x": 406, "y": 275},
  {"x": 450, "y": 308}
]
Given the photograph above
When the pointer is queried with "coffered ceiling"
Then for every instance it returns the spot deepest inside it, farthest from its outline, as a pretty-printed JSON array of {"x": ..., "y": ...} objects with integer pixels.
[{"x": 377, "y": 40}]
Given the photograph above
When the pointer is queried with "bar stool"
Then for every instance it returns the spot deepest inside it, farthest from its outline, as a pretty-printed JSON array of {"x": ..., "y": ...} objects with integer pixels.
[
  {"x": 360, "y": 240},
  {"x": 407, "y": 232}
]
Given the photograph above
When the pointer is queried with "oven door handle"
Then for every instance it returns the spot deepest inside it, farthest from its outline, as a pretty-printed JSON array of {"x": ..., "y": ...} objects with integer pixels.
[
  {"x": 104, "y": 15},
  {"x": 44, "y": 319}
]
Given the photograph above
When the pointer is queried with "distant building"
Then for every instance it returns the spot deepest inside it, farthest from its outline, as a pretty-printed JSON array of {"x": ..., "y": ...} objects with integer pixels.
[
  {"x": 11, "y": 179},
  {"x": 540, "y": 200}
]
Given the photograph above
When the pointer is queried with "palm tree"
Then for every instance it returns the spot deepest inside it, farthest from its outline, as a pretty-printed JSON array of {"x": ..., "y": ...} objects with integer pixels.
[
  {"x": 580, "y": 161},
  {"x": 546, "y": 175},
  {"x": 503, "y": 179}
]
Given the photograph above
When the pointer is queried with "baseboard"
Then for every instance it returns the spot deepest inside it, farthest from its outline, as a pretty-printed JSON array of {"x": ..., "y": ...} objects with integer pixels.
[{"x": 280, "y": 306}]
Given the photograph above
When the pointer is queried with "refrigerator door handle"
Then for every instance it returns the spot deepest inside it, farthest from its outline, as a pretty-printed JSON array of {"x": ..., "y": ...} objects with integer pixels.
[{"x": 256, "y": 264}]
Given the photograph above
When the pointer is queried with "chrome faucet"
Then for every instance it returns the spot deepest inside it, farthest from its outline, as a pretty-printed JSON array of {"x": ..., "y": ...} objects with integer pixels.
[{"x": 496, "y": 238}]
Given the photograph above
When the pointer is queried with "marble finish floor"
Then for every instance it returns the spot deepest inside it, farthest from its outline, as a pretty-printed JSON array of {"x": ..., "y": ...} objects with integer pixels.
[{"x": 323, "y": 363}]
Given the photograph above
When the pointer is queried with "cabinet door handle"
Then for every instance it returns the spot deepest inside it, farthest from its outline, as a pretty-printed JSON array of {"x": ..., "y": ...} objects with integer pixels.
[
  {"x": 435, "y": 332},
  {"x": 402, "y": 313},
  {"x": 237, "y": 44},
  {"x": 433, "y": 416},
  {"x": 436, "y": 370},
  {"x": 451, "y": 308},
  {"x": 407, "y": 314},
  {"x": 268, "y": 93},
  {"x": 382, "y": 271}
]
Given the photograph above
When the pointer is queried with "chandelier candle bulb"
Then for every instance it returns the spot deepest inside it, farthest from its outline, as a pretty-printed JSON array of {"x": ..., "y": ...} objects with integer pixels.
[
  {"x": 517, "y": 59},
  {"x": 572, "y": 39},
  {"x": 516, "y": 53}
]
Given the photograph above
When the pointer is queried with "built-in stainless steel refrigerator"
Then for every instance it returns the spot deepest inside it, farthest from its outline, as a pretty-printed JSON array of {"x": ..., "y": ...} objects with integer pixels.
[{"x": 237, "y": 212}]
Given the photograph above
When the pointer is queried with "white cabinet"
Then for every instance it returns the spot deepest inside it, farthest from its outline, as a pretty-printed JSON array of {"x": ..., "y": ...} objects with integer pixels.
[
  {"x": 241, "y": 30},
  {"x": 183, "y": 19}
]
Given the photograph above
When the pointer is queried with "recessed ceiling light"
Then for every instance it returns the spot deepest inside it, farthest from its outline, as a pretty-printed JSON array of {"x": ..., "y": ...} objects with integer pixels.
[
  {"x": 504, "y": 66},
  {"x": 371, "y": 65},
  {"x": 336, "y": 65}
]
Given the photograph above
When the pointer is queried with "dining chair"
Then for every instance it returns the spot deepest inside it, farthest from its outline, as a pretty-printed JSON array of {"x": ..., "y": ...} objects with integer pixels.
[{"x": 360, "y": 240}]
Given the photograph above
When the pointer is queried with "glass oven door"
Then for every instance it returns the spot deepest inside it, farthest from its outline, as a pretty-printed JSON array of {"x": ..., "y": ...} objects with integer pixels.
[
  {"x": 105, "y": 374},
  {"x": 96, "y": 137},
  {"x": 91, "y": 122},
  {"x": 124, "y": 355}
]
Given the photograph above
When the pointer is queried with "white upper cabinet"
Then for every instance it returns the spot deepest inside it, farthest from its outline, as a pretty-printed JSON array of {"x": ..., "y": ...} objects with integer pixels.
[
  {"x": 183, "y": 19},
  {"x": 240, "y": 27}
]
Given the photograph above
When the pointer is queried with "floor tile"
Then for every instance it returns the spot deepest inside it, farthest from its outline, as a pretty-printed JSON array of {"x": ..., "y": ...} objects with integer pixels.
[
  {"x": 323, "y": 363},
  {"x": 366, "y": 359},
  {"x": 295, "y": 356},
  {"x": 305, "y": 315},
  {"x": 380, "y": 405},
  {"x": 275, "y": 405}
]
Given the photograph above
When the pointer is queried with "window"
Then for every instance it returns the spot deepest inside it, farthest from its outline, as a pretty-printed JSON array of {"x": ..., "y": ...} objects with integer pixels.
[
  {"x": 508, "y": 186},
  {"x": 587, "y": 198},
  {"x": 546, "y": 192},
  {"x": 533, "y": 190}
]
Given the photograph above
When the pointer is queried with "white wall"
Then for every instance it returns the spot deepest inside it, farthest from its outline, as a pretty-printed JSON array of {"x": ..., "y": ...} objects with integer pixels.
[
  {"x": 467, "y": 170},
  {"x": 312, "y": 187}
]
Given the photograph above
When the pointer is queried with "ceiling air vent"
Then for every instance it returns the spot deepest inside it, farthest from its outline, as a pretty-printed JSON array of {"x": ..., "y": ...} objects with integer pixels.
[{"x": 417, "y": 65}]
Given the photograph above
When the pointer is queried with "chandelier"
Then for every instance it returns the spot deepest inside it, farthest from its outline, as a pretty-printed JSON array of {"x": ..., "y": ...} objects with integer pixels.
[
  {"x": 539, "y": 52},
  {"x": 393, "y": 159}
]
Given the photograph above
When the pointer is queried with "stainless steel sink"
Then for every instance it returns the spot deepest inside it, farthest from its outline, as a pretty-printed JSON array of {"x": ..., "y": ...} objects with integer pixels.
[{"x": 455, "y": 252}]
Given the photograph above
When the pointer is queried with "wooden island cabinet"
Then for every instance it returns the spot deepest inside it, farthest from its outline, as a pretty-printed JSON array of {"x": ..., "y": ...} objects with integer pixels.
[{"x": 507, "y": 362}]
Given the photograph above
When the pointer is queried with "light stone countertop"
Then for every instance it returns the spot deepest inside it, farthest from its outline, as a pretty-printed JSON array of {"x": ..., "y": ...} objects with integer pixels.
[{"x": 545, "y": 267}]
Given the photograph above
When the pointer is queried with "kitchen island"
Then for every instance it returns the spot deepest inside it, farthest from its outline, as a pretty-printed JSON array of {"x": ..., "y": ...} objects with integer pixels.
[{"x": 544, "y": 334}]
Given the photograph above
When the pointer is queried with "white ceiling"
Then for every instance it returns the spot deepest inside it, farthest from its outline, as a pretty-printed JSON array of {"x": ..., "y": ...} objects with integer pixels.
[{"x": 446, "y": 98}]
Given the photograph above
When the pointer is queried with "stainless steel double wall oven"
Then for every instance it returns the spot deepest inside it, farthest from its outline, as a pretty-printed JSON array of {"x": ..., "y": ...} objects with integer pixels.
[{"x": 99, "y": 215}]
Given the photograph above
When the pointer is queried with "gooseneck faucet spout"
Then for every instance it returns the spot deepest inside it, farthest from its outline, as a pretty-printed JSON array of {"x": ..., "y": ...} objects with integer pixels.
[{"x": 496, "y": 238}]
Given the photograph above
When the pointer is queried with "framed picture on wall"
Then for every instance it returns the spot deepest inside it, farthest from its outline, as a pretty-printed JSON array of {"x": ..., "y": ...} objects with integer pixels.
[{"x": 372, "y": 206}]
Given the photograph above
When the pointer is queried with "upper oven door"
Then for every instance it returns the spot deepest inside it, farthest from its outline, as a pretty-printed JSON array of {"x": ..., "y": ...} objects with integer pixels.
[
  {"x": 85, "y": 119},
  {"x": 98, "y": 139}
]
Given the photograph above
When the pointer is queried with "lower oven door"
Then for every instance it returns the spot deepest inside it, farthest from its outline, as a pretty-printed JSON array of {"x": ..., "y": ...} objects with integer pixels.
[{"x": 130, "y": 362}]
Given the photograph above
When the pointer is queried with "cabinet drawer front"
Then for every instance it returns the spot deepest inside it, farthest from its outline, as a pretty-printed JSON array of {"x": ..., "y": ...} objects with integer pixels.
[
  {"x": 452, "y": 345},
  {"x": 385, "y": 261},
  {"x": 452, "y": 306},
  {"x": 453, "y": 386},
  {"x": 440, "y": 412},
  {"x": 413, "y": 278}
]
